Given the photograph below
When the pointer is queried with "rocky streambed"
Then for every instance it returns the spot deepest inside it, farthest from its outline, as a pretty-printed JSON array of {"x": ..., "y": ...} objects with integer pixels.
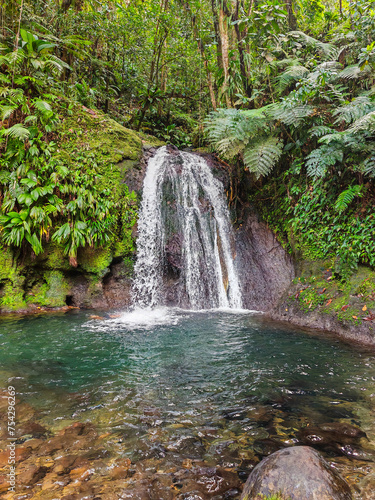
[{"x": 127, "y": 408}]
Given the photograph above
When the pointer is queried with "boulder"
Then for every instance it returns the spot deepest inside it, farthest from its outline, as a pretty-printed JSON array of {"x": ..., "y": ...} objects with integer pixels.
[{"x": 296, "y": 473}]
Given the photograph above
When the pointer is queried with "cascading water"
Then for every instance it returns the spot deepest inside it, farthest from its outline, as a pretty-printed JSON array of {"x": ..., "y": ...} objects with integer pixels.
[{"x": 181, "y": 196}]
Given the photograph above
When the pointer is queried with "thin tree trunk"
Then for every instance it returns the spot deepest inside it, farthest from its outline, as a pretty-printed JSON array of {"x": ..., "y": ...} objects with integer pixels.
[
  {"x": 292, "y": 21},
  {"x": 215, "y": 18},
  {"x": 241, "y": 53},
  {"x": 204, "y": 56},
  {"x": 224, "y": 53}
]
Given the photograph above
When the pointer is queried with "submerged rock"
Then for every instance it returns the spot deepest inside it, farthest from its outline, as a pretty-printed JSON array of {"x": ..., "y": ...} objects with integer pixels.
[{"x": 297, "y": 473}]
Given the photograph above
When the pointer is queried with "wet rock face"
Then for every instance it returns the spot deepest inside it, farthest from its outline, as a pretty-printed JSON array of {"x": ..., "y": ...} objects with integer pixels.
[
  {"x": 266, "y": 270},
  {"x": 296, "y": 473}
]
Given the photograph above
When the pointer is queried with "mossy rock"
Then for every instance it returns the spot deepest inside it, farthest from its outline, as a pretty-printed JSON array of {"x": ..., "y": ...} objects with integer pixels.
[
  {"x": 11, "y": 282},
  {"x": 52, "y": 292},
  {"x": 95, "y": 260},
  {"x": 88, "y": 130}
]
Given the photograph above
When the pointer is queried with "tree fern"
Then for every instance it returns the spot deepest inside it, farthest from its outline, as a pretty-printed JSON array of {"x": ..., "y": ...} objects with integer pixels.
[
  {"x": 354, "y": 71},
  {"x": 319, "y": 160},
  {"x": 368, "y": 166},
  {"x": 347, "y": 196},
  {"x": 366, "y": 122},
  {"x": 328, "y": 50},
  {"x": 354, "y": 110},
  {"x": 261, "y": 156},
  {"x": 320, "y": 131},
  {"x": 290, "y": 113},
  {"x": 290, "y": 75},
  {"x": 229, "y": 130}
]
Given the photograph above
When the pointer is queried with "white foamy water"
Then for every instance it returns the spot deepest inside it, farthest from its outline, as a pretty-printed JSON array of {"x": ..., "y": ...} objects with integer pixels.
[{"x": 201, "y": 220}]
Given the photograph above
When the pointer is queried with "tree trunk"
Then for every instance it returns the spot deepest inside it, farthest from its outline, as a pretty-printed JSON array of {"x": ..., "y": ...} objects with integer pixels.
[
  {"x": 224, "y": 53},
  {"x": 241, "y": 53},
  {"x": 292, "y": 21}
]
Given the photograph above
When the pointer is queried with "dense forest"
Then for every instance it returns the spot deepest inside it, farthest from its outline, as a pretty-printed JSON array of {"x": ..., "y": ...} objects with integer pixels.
[{"x": 281, "y": 91}]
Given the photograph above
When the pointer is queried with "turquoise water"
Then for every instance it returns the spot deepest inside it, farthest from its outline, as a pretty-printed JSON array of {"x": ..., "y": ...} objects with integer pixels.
[
  {"x": 223, "y": 387},
  {"x": 201, "y": 363}
]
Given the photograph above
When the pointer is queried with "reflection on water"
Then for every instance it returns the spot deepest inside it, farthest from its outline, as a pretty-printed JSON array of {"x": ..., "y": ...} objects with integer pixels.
[{"x": 226, "y": 389}]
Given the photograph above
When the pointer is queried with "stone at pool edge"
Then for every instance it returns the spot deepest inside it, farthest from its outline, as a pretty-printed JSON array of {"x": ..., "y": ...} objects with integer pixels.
[{"x": 297, "y": 473}]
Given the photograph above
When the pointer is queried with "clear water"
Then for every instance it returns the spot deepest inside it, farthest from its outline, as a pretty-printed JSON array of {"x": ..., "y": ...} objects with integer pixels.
[{"x": 205, "y": 376}]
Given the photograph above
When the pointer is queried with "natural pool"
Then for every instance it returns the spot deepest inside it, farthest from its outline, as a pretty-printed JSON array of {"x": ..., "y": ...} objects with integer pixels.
[{"x": 177, "y": 403}]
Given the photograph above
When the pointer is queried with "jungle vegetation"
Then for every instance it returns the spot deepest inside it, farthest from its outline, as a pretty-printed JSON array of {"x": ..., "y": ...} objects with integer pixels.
[{"x": 282, "y": 90}]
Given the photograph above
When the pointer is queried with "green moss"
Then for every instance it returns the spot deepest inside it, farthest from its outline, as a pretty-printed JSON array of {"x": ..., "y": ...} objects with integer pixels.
[
  {"x": 55, "y": 258},
  {"x": 350, "y": 301},
  {"x": 11, "y": 282},
  {"x": 150, "y": 141},
  {"x": 95, "y": 260},
  {"x": 51, "y": 293},
  {"x": 86, "y": 130},
  {"x": 12, "y": 293}
]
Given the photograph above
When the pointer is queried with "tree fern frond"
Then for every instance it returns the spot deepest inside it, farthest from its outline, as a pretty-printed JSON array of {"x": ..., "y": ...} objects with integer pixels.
[
  {"x": 354, "y": 71},
  {"x": 261, "y": 156},
  {"x": 320, "y": 130},
  {"x": 5, "y": 78},
  {"x": 6, "y": 111},
  {"x": 368, "y": 166},
  {"x": 366, "y": 122},
  {"x": 326, "y": 48},
  {"x": 290, "y": 75},
  {"x": 318, "y": 161},
  {"x": 229, "y": 130},
  {"x": 356, "y": 109},
  {"x": 289, "y": 113},
  {"x": 346, "y": 197}
]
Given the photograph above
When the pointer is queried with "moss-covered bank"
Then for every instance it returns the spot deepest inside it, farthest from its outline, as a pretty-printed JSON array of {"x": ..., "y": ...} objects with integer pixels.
[
  {"x": 87, "y": 141},
  {"x": 319, "y": 299}
]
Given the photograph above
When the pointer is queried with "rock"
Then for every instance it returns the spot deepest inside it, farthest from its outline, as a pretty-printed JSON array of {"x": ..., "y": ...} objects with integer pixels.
[
  {"x": 353, "y": 452},
  {"x": 31, "y": 428},
  {"x": 340, "y": 430},
  {"x": 20, "y": 454},
  {"x": 32, "y": 475},
  {"x": 298, "y": 473},
  {"x": 121, "y": 470},
  {"x": 266, "y": 268}
]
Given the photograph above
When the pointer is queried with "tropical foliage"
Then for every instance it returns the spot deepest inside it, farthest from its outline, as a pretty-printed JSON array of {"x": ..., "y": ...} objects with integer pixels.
[{"x": 283, "y": 91}]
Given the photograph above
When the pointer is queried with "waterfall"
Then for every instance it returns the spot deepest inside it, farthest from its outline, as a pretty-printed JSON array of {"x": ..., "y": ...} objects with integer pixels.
[{"x": 182, "y": 197}]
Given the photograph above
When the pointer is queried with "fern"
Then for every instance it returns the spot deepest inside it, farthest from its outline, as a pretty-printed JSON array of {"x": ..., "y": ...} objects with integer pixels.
[
  {"x": 290, "y": 75},
  {"x": 17, "y": 131},
  {"x": 368, "y": 166},
  {"x": 347, "y": 196},
  {"x": 327, "y": 49},
  {"x": 261, "y": 156},
  {"x": 229, "y": 130},
  {"x": 318, "y": 161},
  {"x": 320, "y": 130},
  {"x": 354, "y": 71},
  {"x": 366, "y": 122},
  {"x": 289, "y": 113},
  {"x": 356, "y": 109}
]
